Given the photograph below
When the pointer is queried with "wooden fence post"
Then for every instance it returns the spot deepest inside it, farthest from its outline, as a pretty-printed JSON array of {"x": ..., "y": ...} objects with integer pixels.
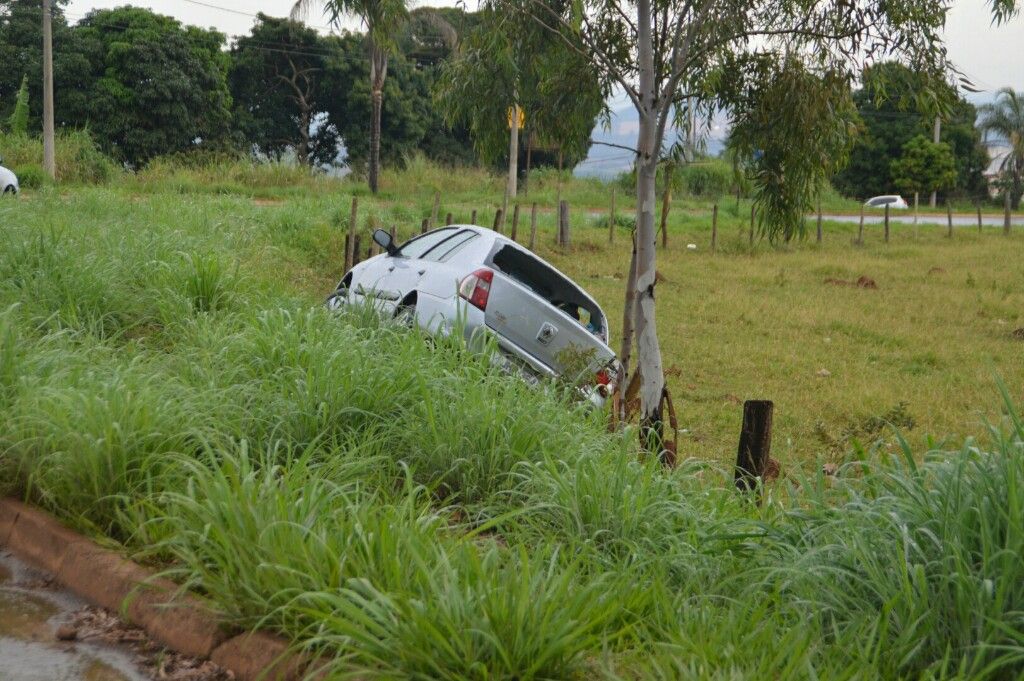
[
  {"x": 533, "y": 225},
  {"x": 819, "y": 221},
  {"x": 752, "y": 210},
  {"x": 355, "y": 250},
  {"x": 515, "y": 222},
  {"x": 350, "y": 241},
  {"x": 887, "y": 223},
  {"x": 425, "y": 226},
  {"x": 860, "y": 227},
  {"x": 611, "y": 220},
  {"x": 755, "y": 444},
  {"x": 433, "y": 212},
  {"x": 472, "y": 217},
  {"x": 448, "y": 219},
  {"x": 666, "y": 206},
  {"x": 979, "y": 216},
  {"x": 949, "y": 219},
  {"x": 714, "y": 228},
  {"x": 394, "y": 235},
  {"x": 1006, "y": 212},
  {"x": 563, "y": 224},
  {"x": 497, "y": 221}
]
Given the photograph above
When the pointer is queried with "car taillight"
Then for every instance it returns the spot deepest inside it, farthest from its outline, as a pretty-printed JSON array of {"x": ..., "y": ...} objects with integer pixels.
[
  {"x": 603, "y": 378},
  {"x": 477, "y": 287}
]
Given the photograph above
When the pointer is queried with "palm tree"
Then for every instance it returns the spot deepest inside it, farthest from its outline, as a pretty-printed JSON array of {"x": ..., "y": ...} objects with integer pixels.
[
  {"x": 1005, "y": 117},
  {"x": 383, "y": 20}
]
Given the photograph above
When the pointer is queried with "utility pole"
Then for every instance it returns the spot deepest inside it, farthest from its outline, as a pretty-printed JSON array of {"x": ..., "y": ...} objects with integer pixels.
[
  {"x": 935, "y": 138},
  {"x": 513, "y": 155},
  {"x": 49, "y": 165}
]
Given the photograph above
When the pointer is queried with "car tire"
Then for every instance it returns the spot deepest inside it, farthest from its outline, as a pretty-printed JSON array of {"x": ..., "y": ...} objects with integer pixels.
[
  {"x": 9, "y": 189},
  {"x": 405, "y": 313}
]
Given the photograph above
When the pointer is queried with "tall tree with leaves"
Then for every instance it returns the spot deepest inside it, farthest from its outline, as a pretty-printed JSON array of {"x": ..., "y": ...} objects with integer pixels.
[
  {"x": 924, "y": 167},
  {"x": 778, "y": 65},
  {"x": 383, "y": 20},
  {"x": 1005, "y": 117},
  {"x": 277, "y": 90},
  {"x": 517, "y": 63}
]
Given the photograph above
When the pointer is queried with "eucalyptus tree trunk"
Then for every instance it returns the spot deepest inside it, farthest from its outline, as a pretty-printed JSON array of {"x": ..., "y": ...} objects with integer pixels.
[
  {"x": 378, "y": 71},
  {"x": 648, "y": 350}
]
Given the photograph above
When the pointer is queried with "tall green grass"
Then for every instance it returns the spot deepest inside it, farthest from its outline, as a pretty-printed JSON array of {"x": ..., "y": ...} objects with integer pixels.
[{"x": 400, "y": 509}]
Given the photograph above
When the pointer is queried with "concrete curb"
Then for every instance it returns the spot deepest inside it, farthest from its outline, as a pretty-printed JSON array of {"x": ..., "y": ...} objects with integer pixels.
[{"x": 106, "y": 579}]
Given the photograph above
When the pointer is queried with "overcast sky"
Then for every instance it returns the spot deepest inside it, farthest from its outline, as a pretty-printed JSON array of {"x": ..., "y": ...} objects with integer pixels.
[{"x": 990, "y": 56}]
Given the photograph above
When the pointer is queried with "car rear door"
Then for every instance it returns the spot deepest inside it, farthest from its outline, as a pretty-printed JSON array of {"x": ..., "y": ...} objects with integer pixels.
[{"x": 543, "y": 313}]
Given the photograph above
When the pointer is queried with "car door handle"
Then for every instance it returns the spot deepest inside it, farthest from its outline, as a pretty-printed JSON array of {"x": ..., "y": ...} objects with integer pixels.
[
  {"x": 391, "y": 269},
  {"x": 421, "y": 271}
]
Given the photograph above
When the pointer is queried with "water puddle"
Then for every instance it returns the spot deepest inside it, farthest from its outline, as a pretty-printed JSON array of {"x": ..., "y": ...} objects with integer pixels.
[{"x": 32, "y": 611}]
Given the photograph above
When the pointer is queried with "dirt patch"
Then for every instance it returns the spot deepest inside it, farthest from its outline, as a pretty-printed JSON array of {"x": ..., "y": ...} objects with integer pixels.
[
  {"x": 96, "y": 624},
  {"x": 1018, "y": 334},
  {"x": 863, "y": 281},
  {"x": 936, "y": 270},
  {"x": 267, "y": 202}
]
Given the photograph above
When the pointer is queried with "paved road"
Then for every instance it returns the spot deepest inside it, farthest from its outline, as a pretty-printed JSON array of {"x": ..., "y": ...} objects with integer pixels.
[
  {"x": 31, "y": 610},
  {"x": 931, "y": 219}
]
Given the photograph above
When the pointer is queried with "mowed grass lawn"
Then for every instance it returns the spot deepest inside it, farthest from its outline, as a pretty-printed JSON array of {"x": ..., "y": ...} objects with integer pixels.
[{"x": 924, "y": 350}]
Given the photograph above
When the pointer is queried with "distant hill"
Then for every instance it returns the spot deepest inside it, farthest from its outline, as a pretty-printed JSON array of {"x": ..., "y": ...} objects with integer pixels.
[{"x": 606, "y": 162}]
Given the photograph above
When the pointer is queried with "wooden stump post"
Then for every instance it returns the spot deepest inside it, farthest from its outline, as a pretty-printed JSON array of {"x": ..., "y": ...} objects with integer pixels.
[
  {"x": 755, "y": 444},
  {"x": 350, "y": 248},
  {"x": 448, "y": 219},
  {"x": 860, "y": 227},
  {"x": 433, "y": 211},
  {"x": 666, "y": 206},
  {"x": 533, "y": 225},
  {"x": 611, "y": 220},
  {"x": 819, "y": 222},
  {"x": 355, "y": 250},
  {"x": 887, "y": 223},
  {"x": 949, "y": 220},
  {"x": 564, "y": 239},
  {"x": 497, "y": 221},
  {"x": 515, "y": 222},
  {"x": 714, "y": 228},
  {"x": 425, "y": 226}
]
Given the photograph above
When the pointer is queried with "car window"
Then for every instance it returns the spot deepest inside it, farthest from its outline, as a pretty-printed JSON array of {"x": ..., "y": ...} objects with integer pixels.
[
  {"x": 449, "y": 247},
  {"x": 422, "y": 244}
]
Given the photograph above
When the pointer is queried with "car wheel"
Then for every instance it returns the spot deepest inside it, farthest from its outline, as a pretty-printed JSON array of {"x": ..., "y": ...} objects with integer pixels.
[
  {"x": 9, "y": 189},
  {"x": 405, "y": 313},
  {"x": 336, "y": 300}
]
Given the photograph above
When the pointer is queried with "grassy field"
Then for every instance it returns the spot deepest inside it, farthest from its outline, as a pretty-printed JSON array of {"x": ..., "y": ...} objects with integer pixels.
[{"x": 170, "y": 384}]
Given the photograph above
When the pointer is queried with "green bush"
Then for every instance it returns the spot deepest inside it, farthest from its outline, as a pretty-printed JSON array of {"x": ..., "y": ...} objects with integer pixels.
[
  {"x": 31, "y": 176},
  {"x": 78, "y": 159},
  {"x": 710, "y": 178}
]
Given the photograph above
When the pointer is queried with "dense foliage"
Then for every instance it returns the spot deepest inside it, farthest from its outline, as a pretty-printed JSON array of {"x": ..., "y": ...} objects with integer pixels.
[{"x": 892, "y": 111}]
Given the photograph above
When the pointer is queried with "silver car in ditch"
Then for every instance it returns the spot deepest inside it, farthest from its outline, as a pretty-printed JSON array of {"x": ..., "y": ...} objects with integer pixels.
[{"x": 474, "y": 279}]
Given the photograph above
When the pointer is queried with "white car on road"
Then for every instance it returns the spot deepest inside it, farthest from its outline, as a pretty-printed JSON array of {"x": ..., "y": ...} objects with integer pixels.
[
  {"x": 892, "y": 200},
  {"x": 472, "y": 279}
]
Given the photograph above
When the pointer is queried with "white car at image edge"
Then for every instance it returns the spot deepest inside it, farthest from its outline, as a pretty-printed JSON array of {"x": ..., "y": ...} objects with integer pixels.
[
  {"x": 891, "y": 200},
  {"x": 8, "y": 180}
]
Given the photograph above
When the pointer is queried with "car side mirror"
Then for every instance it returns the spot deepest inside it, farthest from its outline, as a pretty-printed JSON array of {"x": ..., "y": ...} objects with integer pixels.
[{"x": 384, "y": 240}]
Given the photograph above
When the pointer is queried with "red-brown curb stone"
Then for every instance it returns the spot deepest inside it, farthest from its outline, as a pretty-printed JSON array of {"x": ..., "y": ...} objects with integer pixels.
[
  {"x": 179, "y": 621},
  {"x": 39, "y": 538},
  {"x": 259, "y": 656},
  {"x": 8, "y": 516}
]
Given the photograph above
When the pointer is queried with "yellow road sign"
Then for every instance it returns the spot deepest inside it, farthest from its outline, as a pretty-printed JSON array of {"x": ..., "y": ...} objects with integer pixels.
[{"x": 522, "y": 117}]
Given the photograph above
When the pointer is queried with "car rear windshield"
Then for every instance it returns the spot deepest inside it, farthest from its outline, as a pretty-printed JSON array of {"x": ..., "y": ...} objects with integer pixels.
[{"x": 548, "y": 283}]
